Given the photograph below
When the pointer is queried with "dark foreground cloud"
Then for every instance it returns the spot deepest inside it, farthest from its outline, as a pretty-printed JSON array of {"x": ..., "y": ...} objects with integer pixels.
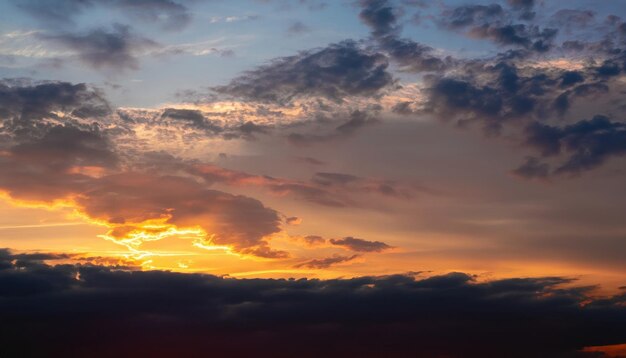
[{"x": 96, "y": 311}]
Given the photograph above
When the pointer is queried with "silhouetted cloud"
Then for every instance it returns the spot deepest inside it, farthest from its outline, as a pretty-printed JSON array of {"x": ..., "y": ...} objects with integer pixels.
[
  {"x": 360, "y": 245},
  {"x": 108, "y": 310}
]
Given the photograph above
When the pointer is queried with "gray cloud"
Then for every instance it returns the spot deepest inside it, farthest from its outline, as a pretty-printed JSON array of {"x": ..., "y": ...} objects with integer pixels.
[
  {"x": 588, "y": 143},
  {"x": 27, "y": 109},
  {"x": 326, "y": 262},
  {"x": 114, "y": 50},
  {"x": 334, "y": 72},
  {"x": 412, "y": 56},
  {"x": 360, "y": 245},
  {"x": 168, "y": 14}
]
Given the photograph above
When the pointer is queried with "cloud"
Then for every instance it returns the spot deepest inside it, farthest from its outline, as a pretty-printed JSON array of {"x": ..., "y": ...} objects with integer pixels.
[
  {"x": 167, "y": 313},
  {"x": 412, "y": 56},
  {"x": 130, "y": 198},
  {"x": 77, "y": 163},
  {"x": 57, "y": 13},
  {"x": 28, "y": 108},
  {"x": 327, "y": 189},
  {"x": 360, "y": 245},
  {"x": 298, "y": 28},
  {"x": 56, "y": 165},
  {"x": 334, "y": 72},
  {"x": 588, "y": 143},
  {"x": 168, "y": 14},
  {"x": 314, "y": 240},
  {"x": 494, "y": 23},
  {"x": 533, "y": 168},
  {"x": 355, "y": 120},
  {"x": 572, "y": 19},
  {"x": 326, "y": 262},
  {"x": 115, "y": 50}
]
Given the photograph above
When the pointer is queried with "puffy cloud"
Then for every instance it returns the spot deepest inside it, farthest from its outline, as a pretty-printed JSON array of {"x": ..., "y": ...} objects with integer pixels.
[
  {"x": 157, "y": 312},
  {"x": 494, "y": 23},
  {"x": 334, "y": 72},
  {"x": 130, "y": 198},
  {"x": 26, "y": 109},
  {"x": 412, "y": 56},
  {"x": 588, "y": 143},
  {"x": 360, "y": 245}
]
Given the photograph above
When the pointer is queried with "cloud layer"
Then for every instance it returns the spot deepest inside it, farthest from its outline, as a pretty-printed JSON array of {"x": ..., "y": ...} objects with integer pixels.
[{"x": 106, "y": 310}]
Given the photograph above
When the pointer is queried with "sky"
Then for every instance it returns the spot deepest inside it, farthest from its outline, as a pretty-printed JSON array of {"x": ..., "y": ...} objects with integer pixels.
[{"x": 381, "y": 162}]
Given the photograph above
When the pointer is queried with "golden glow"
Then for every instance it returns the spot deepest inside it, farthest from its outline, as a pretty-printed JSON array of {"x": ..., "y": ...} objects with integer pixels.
[{"x": 38, "y": 204}]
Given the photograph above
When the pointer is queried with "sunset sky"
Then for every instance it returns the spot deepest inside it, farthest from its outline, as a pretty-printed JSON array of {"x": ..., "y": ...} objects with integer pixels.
[{"x": 474, "y": 148}]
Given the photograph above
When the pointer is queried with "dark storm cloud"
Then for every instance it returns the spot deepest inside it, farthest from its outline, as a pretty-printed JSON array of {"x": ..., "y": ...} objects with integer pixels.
[
  {"x": 334, "y": 72},
  {"x": 326, "y": 262},
  {"x": 106, "y": 311},
  {"x": 116, "y": 49},
  {"x": 27, "y": 108},
  {"x": 587, "y": 143},
  {"x": 168, "y": 14},
  {"x": 360, "y": 245},
  {"x": 412, "y": 56}
]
